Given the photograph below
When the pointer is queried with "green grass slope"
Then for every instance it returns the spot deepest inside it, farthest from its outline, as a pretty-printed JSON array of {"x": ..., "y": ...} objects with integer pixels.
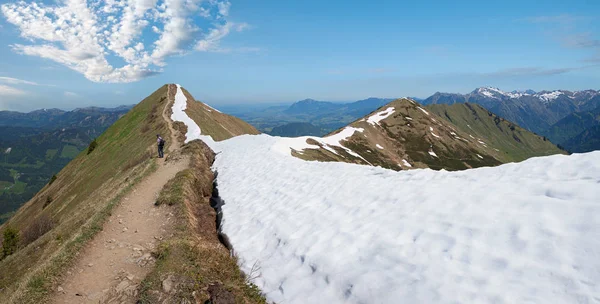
[
  {"x": 76, "y": 204},
  {"x": 513, "y": 142}
]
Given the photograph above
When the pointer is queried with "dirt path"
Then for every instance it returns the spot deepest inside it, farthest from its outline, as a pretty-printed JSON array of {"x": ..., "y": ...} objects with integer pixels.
[
  {"x": 114, "y": 263},
  {"x": 175, "y": 144}
]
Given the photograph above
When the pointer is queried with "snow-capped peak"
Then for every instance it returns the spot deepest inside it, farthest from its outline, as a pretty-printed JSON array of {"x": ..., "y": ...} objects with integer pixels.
[
  {"x": 490, "y": 92},
  {"x": 549, "y": 96},
  {"x": 497, "y": 93}
]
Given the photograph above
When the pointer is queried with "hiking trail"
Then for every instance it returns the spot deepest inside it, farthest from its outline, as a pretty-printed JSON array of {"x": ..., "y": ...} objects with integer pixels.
[{"x": 117, "y": 259}]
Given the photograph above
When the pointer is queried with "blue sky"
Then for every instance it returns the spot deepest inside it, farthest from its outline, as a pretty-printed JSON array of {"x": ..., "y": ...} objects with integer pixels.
[{"x": 243, "y": 52}]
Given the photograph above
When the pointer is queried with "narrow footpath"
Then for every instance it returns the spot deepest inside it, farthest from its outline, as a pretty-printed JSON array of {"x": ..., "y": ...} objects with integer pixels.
[{"x": 111, "y": 267}]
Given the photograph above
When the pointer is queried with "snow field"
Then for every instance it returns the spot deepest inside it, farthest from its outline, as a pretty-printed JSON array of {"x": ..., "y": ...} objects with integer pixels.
[
  {"x": 344, "y": 233},
  {"x": 330, "y": 232}
]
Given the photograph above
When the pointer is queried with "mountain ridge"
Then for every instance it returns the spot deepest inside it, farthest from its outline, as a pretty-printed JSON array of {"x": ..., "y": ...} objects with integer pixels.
[
  {"x": 403, "y": 135},
  {"x": 535, "y": 112}
]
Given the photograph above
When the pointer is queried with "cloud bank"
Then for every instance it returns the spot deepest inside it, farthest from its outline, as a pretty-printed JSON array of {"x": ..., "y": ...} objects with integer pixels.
[{"x": 139, "y": 34}]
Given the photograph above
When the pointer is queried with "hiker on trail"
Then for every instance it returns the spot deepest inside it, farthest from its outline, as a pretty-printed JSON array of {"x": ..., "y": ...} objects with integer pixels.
[{"x": 161, "y": 144}]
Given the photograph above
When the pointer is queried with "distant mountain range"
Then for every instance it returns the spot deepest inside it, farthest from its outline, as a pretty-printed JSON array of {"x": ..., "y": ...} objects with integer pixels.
[
  {"x": 56, "y": 118},
  {"x": 539, "y": 112},
  {"x": 325, "y": 116},
  {"x": 295, "y": 129},
  {"x": 535, "y": 111}
]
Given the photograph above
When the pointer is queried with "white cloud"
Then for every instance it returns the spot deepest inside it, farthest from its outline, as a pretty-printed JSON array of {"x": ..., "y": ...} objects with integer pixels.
[
  {"x": 71, "y": 94},
  {"x": 11, "y": 80},
  {"x": 211, "y": 42},
  {"x": 10, "y": 91},
  {"x": 81, "y": 34},
  {"x": 224, "y": 8}
]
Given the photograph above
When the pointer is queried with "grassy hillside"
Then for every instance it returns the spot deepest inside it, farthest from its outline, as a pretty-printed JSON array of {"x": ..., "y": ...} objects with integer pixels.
[
  {"x": 515, "y": 143},
  {"x": 410, "y": 137},
  {"x": 75, "y": 205},
  {"x": 450, "y": 137}
]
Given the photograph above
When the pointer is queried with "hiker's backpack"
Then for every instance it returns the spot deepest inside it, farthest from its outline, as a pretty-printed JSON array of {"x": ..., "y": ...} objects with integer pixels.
[{"x": 161, "y": 142}]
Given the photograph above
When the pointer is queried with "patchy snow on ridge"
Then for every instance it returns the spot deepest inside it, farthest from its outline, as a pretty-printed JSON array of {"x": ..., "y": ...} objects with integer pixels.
[
  {"x": 523, "y": 232},
  {"x": 376, "y": 118},
  {"x": 179, "y": 106},
  {"x": 379, "y": 146},
  {"x": 284, "y": 145},
  {"x": 432, "y": 153},
  {"x": 427, "y": 113},
  {"x": 406, "y": 163}
]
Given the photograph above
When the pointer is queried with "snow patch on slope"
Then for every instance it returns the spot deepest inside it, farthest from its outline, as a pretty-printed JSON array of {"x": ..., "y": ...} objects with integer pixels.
[
  {"x": 376, "y": 118},
  {"x": 211, "y": 108},
  {"x": 427, "y": 113},
  {"x": 179, "y": 106},
  {"x": 283, "y": 145}
]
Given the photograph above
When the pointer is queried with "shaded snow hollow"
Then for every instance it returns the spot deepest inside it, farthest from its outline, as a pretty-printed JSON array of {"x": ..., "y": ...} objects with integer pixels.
[{"x": 327, "y": 232}]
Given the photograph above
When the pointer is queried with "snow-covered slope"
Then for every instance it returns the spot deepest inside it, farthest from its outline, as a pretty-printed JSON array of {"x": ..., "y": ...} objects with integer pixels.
[{"x": 346, "y": 233}]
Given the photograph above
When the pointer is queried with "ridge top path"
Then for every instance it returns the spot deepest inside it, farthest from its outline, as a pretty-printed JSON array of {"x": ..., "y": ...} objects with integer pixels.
[{"x": 118, "y": 258}]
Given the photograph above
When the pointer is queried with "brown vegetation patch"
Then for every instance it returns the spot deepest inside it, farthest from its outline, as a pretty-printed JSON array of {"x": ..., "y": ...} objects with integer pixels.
[{"x": 40, "y": 226}]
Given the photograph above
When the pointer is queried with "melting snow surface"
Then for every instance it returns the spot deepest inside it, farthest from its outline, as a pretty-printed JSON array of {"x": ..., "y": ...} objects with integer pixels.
[
  {"x": 376, "y": 118},
  {"x": 379, "y": 146},
  {"x": 523, "y": 232}
]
